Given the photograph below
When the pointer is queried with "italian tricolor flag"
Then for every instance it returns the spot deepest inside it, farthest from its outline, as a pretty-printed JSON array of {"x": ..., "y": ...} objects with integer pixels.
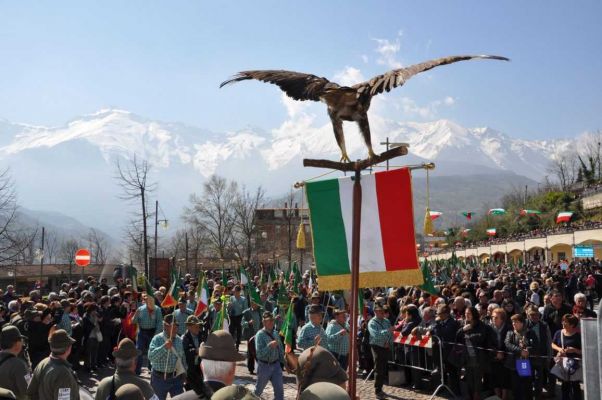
[
  {"x": 202, "y": 297},
  {"x": 435, "y": 214},
  {"x": 496, "y": 211},
  {"x": 387, "y": 241},
  {"x": 564, "y": 216},
  {"x": 526, "y": 212},
  {"x": 491, "y": 232}
]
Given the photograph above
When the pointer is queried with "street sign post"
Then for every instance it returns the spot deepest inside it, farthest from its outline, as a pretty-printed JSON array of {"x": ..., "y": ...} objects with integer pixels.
[{"x": 82, "y": 257}]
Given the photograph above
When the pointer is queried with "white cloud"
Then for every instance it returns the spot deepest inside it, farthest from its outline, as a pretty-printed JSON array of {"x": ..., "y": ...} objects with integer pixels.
[
  {"x": 449, "y": 101},
  {"x": 365, "y": 59},
  {"x": 349, "y": 76},
  {"x": 293, "y": 107},
  {"x": 387, "y": 50},
  {"x": 430, "y": 110}
]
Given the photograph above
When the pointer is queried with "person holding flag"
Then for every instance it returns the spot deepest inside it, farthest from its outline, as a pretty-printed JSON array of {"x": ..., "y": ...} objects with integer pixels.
[
  {"x": 270, "y": 356},
  {"x": 149, "y": 319},
  {"x": 236, "y": 306},
  {"x": 251, "y": 323},
  {"x": 166, "y": 355},
  {"x": 312, "y": 332},
  {"x": 337, "y": 334}
]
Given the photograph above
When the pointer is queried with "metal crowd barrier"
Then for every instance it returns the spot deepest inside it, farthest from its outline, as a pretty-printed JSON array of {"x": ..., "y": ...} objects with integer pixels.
[
  {"x": 421, "y": 354},
  {"x": 591, "y": 349}
]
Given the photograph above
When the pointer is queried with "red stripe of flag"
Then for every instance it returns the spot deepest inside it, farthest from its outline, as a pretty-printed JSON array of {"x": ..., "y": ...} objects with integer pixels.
[{"x": 394, "y": 194}]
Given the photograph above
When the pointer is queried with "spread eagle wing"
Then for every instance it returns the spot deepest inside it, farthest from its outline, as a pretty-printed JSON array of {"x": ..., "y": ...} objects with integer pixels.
[
  {"x": 297, "y": 85},
  {"x": 398, "y": 77}
]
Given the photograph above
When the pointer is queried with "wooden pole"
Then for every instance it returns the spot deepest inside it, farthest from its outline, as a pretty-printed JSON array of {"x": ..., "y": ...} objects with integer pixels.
[
  {"x": 357, "y": 168},
  {"x": 355, "y": 278}
]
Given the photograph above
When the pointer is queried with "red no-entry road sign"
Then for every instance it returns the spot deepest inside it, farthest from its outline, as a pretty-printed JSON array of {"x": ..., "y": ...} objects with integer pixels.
[{"x": 82, "y": 257}]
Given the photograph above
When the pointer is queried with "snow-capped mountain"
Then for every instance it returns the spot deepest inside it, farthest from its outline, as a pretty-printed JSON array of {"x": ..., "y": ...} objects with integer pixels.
[
  {"x": 121, "y": 133},
  {"x": 71, "y": 168}
]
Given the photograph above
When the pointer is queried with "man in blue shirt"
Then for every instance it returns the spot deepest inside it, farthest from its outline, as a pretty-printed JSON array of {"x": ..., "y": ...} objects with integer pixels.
[
  {"x": 381, "y": 339},
  {"x": 337, "y": 333},
  {"x": 166, "y": 355},
  {"x": 149, "y": 319},
  {"x": 236, "y": 306},
  {"x": 270, "y": 356},
  {"x": 312, "y": 332}
]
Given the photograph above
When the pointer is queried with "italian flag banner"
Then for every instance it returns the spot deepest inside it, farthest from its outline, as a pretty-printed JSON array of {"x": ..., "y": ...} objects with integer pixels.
[
  {"x": 491, "y": 231},
  {"x": 564, "y": 216},
  {"x": 387, "y": 241},
  {"x": 435, "y": 214}
]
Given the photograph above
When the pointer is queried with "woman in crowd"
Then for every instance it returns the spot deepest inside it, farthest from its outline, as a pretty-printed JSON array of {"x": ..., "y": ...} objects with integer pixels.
[
  {"x": 474, "y": 337},
  {"x": 521, "y": 343},
  {"x": 499, "y": 377},
  {"x": 567, "y": 345}
]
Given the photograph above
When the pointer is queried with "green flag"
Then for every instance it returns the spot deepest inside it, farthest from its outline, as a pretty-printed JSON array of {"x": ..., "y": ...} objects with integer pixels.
[
  {"x": 286, "y": 331},
  {"x": 282, "y": 295},
  {"x": 254, "y": 294},
  {"x": 298, "y": 279},
  {"x": 428, "y": 285},
  {"x": 224, "y": 277}
]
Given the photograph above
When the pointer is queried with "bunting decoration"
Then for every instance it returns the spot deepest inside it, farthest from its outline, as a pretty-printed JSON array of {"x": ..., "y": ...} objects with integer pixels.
[
  {"x": 525, "y": 212},
  {"x": 387, "y": 245},
  {"x": 468, "y": 215},
  {"x": 491, "y": 232},
  {"x": 496, "y": 211},
  {"x": 564, "y": 216}
]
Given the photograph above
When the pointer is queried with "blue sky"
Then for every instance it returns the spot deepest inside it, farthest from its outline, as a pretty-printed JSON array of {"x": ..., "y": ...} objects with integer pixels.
[{"x": 165, "y": 60}]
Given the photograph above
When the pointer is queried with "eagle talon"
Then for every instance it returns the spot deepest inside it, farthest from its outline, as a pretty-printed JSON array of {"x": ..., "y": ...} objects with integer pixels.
[
  {"x": 345, "y": 158},
  {"x": 371, "y": 155}
]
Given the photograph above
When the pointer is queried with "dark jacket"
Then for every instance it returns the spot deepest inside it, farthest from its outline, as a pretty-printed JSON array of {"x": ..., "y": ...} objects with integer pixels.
[
  {"x": 446, "y": 331},
  {"x": 478, "y": 337},
  {"x": 194, "y": 376},
  {"x": 514, "y": 344},
  {"x": 498, "y": 344},
  {"x": 544, "y": 342}
]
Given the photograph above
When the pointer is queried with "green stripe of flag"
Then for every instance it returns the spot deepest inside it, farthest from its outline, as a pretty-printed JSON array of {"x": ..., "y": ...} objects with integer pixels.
[{"x": 330, "y": 243}]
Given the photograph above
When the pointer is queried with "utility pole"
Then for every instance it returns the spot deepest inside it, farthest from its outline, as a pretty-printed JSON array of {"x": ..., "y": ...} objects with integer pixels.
[
  {"x": 42, "y": 259},
  {"x": 186, "y": 250},
  {"x": 156, "y": 227},
  {"x": 387, "y": 144}
]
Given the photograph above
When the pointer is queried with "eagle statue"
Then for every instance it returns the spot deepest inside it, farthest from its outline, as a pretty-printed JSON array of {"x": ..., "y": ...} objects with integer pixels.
[{"x": 346, "y": 103}]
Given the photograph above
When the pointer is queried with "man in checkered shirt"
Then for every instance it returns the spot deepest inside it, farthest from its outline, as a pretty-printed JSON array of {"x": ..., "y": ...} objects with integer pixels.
[
  {"x": 337, "y": 334},
  {"x": 165, "y": 352},
  {"x": 149, "y": 319},
  {"x": 381, "y": 340},
  {"x": 312, "y": 332}
]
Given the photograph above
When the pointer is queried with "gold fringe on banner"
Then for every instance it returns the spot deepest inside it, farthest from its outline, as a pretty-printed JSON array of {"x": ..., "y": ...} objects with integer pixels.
[{"x": 407, "y": 277}]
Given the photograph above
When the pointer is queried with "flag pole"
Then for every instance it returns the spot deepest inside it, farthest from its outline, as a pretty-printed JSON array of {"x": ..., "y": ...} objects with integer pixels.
[
  {"x": 355, "y": 278},
  {"x": 357, "y": 168}
]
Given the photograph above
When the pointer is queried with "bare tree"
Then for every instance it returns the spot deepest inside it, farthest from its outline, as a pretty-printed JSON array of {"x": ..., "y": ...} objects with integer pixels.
[
  {"x": 51, "y": 245},
  {"x": 15, "y": 242},
  {"x": 214, "y": 212},
  {"x": 245, "y": 230},
  {"x": 67, "y": 250},
  {"x": 565, "y": 167},
  {"x": 99, "y": 248},
  {"x": 133, "y": 180}
]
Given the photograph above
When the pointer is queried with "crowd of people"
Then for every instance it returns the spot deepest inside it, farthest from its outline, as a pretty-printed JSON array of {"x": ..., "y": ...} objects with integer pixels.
[{"x": 486, "y": 322}]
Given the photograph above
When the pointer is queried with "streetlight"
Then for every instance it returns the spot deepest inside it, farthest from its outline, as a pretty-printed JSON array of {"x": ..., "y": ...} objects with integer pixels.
[{"x": 391, "y": 145}]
